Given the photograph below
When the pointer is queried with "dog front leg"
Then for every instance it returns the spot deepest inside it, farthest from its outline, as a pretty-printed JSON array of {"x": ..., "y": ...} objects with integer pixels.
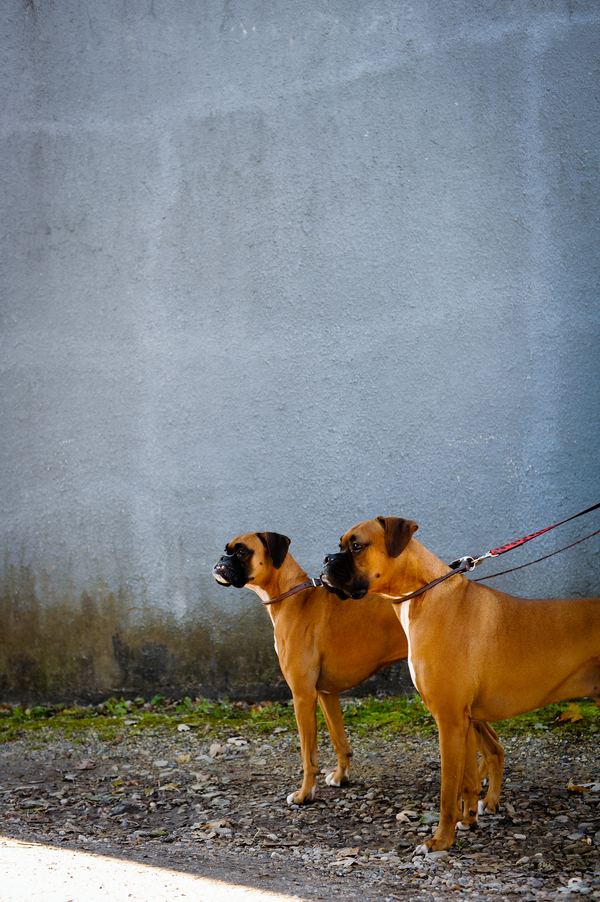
[
  {"x": 305, "y": 707},
  {"x": 471, "y": 784},
  {"x": 453, "y": 748},
  {"x": 330, "y": 706}
]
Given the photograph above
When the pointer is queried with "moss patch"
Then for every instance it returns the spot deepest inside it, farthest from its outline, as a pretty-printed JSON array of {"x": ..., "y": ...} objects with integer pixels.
[{"x": 115, "y": 718}]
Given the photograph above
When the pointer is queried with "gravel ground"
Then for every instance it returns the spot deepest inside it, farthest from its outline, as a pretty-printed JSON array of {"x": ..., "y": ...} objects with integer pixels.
[{"x": 213, "y": 804}]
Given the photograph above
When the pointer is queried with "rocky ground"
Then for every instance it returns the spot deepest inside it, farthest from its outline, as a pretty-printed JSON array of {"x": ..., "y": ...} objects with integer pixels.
[{"x": 214, "y": 803}]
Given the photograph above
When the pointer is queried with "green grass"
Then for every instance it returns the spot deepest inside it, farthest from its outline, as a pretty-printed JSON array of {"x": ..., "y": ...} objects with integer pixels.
[{"x": 115, "y": 719}]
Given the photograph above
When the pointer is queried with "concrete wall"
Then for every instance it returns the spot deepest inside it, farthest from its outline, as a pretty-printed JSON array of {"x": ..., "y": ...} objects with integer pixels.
[{"x": 284, "y": 266}]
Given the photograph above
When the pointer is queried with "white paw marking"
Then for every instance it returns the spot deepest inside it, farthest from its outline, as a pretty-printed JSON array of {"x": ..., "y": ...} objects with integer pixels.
[
  {"x": 480, "y": 807},
  {"x": 347, "y": 773},
  {"x": 421, "y": 850},
  {"x": 313, "y": 791},
  {"x": 461, "y": 826},
  {"x": 290, "y": 798},
  {"x": 330, "y": 781}
]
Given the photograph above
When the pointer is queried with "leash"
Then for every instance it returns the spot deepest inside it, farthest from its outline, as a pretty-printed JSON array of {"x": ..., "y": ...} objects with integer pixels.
[
  {"x": 504, "y": 548},
  {"x": 315, "y": 583},
  {"x": 546, "y": 556},
  {"x": 466, "y": 564}
]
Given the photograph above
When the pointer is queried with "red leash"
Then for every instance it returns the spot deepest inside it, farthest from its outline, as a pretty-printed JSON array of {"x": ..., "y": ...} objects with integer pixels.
[
  {"x": 546, "y": 556},
  {"x": 496, "y": 551},
  {"x": 466, "y": 564}
]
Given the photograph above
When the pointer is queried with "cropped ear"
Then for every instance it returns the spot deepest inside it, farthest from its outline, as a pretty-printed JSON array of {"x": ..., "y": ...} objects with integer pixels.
[
  {"x": 277, "y": 546},
  {"x": 398, "y": 533}
]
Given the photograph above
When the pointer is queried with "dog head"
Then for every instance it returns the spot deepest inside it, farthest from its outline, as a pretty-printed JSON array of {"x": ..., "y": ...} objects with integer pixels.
[
  {"x": 365, "y": 552},
  {"x": 250, "y": 557}
]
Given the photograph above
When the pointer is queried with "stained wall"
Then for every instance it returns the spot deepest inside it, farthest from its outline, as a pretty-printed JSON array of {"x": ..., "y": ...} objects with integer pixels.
[{"x": 283, "y": 266}]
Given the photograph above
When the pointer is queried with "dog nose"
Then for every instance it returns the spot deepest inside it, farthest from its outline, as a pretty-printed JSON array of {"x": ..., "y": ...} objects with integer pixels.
[{"x": 327, "y": 559}]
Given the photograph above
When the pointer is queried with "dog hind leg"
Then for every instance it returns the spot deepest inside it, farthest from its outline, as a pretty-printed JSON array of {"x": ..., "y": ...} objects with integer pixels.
[
  {"x": 492, "y": 765},
  {"x": 330, "y": 706}
]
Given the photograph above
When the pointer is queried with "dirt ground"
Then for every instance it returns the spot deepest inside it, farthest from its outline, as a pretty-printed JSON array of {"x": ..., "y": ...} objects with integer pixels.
[{"x": 214, "y": 807}]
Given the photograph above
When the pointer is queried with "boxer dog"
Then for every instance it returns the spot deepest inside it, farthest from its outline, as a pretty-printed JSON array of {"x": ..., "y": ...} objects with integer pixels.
[
  {"x": 475, "y": 654},
  {"x": 326, "y": 646}
]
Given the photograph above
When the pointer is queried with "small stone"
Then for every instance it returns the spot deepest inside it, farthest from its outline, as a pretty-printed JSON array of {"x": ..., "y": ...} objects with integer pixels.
[
  {"x": 183, "y": 727},
  {"x": 217, "y": 749}
]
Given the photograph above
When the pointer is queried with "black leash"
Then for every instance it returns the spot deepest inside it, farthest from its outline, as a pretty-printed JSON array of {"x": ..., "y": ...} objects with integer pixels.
[{"x": 466, "y": 564}]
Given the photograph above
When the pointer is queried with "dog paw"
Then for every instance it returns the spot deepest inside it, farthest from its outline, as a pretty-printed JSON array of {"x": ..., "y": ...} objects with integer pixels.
[
  {"x": 461, "y": 826},
  {"x": 296, "y": 798},
  {"x": 432, "y": 854},
  {"x": 487, "y": 807},
  {"x": 481, "y": 809},
  {"x": 331, "y": 781}
]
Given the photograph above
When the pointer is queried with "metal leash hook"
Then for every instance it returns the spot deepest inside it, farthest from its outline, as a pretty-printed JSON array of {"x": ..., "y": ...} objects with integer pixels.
[
  {"x": 466, "y": 564},
  {"x": 463, "y": 565}
]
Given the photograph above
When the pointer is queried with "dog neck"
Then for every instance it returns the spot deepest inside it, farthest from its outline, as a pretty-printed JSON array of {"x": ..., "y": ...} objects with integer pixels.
[
  {"x": 289, "y": 575},
  {"x": 414, "y": 568}
]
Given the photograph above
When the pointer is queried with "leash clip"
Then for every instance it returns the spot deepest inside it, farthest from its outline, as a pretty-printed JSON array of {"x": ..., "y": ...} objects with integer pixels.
[{"x": 463, "y": 564}]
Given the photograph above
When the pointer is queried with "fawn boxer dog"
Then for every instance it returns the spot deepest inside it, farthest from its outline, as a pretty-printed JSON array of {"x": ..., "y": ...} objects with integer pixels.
[
  {"x": 475, "y": 654},
  {"x": 326, "y": 646}
]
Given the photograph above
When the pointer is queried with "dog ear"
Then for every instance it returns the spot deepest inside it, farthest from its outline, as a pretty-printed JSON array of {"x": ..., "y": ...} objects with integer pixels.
[
  {"x": 398, "y": 533},
  {"x": 277, "y": 546}
]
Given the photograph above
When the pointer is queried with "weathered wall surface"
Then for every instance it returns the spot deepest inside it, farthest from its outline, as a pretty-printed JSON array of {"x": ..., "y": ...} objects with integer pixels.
[{"x": 283, "y": 266}]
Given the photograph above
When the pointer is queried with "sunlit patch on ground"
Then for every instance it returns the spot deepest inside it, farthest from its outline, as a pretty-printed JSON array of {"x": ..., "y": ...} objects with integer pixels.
[{"x": 31, "y": 872}]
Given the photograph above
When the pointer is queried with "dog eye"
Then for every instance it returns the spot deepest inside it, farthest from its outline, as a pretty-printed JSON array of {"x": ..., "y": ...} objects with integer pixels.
[
  {"x": 241, "y": 552},
  {"x": 356, "y": 546}
]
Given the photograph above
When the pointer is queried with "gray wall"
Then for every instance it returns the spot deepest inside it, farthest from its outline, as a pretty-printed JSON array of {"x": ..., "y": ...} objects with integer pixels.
[{"x": 284, "y": 266}]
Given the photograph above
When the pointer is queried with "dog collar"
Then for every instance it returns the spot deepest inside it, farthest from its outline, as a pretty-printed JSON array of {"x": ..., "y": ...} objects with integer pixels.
[{"x": 315, "y": 583}]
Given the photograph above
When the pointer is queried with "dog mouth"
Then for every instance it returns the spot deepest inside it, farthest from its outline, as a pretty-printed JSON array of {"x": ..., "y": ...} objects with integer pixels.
[
  {"x": 338, "y": 582},
  {"x": 220, "y": 575},
  {"x": 342, "y": 591}
]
